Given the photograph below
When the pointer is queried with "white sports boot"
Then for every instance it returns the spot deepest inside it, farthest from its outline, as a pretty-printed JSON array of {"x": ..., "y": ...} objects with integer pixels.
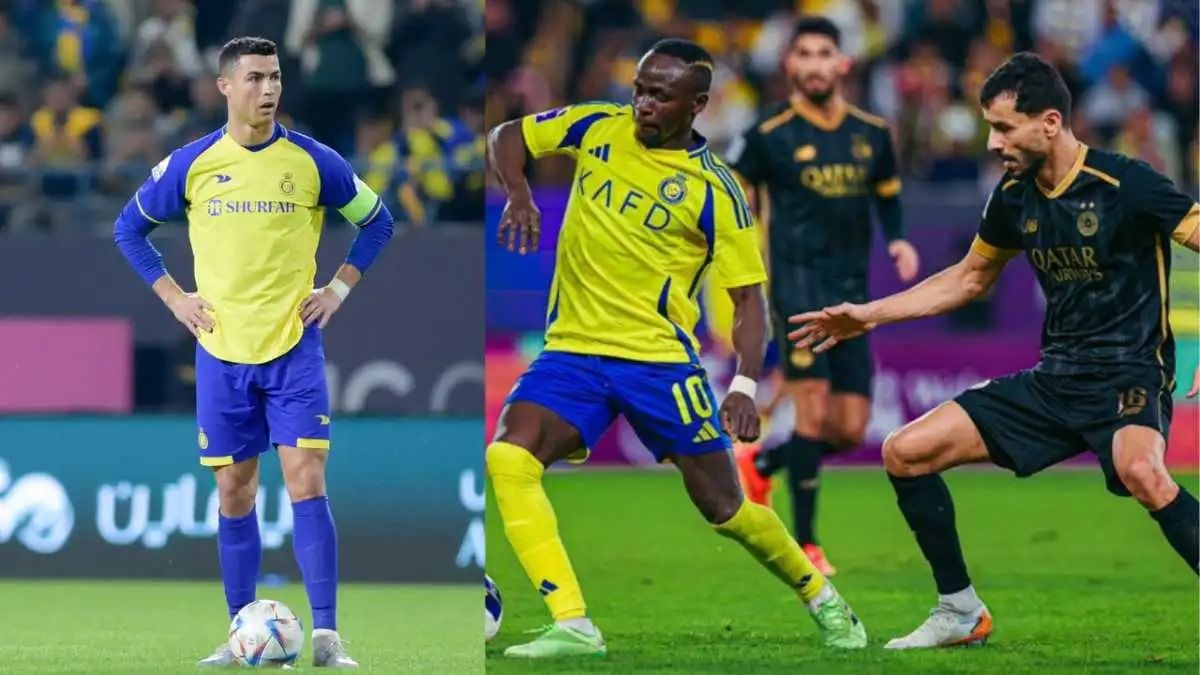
[
  {"x": 329, "y": 650},
  {"x": 947, "y": 627}
]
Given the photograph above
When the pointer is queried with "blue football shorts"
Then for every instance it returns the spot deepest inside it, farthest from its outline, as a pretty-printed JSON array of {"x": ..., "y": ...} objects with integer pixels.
[
  {"x": 669, "y": 405},
  {"x": 245, "y": 409}
]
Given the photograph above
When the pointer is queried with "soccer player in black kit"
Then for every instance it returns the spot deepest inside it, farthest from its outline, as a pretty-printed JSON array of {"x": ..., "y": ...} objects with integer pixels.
[
  {"x": 820, "y": 163},
  {"x": 1096, "y": 227}
]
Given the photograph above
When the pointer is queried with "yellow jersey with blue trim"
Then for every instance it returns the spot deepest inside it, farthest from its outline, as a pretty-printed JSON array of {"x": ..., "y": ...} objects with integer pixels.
[
  {"x": 254, "y": 216},
  {"x": 643, "y": 228}
]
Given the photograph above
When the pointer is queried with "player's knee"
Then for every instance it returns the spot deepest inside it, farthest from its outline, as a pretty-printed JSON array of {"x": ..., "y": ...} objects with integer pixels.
[
  {"x": 306, "y": 490},
  {"x": 1146, "y": 479},
  {"x": 900, "y": 454},
  {"x": 236, "y": 497},
  {"x": 811, "y": 423},
  {"x": 494, "y": 457},
  {"x": 505, "y": 458},
  {"x": 304, "y": 474},
  {"x": 307, "y": 485},
  {"x": 237, "y": 487},
  {"x": 812, "y": 412},
  {"x": 842, "y": 437},
  {"x": 719, "y": 509}
]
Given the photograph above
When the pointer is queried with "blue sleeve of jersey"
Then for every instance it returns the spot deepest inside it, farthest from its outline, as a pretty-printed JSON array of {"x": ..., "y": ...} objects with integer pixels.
[
  {"x": 371, "y": 238},
  {"x": 334, "y": 172},
  {"x": 161, "y": 197},
  {"x": 131, "y": 233}
]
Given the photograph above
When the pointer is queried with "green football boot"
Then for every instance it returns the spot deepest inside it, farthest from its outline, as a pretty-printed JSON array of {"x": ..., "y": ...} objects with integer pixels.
[
  {"x": 557, "y": 641},
  {"x": 840, "y": 628}
]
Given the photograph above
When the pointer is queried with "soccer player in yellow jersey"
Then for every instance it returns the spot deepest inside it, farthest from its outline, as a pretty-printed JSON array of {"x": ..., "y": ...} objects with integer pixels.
[
  {"x": 254, "y": 195},
  {"x": 651, "y": 212}
]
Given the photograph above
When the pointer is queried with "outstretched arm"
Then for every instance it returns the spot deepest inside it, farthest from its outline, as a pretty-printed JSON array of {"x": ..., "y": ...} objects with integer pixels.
[
  {"x": 953, "y": 287},
  {"x": 967, "y": 280},
  {"x": 739, "y": 415},
  {"x": 520, "y": 224}
]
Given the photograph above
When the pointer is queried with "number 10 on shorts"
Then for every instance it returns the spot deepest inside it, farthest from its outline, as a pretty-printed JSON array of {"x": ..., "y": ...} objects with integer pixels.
[{"x": 697, "y": 396}]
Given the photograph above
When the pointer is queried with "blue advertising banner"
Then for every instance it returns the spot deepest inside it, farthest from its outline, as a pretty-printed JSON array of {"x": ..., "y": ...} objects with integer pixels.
[{"x": 125, "y": 497}]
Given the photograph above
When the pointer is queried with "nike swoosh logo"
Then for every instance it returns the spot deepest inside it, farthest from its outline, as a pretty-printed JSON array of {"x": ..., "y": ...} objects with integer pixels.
[
  {"x": 222, "y": 178},
  {"x": 323, "y": 419}
]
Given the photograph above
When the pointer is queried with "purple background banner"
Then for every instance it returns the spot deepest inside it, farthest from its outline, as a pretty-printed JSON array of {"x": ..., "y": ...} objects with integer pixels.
[{"x": 66, "y": 365}]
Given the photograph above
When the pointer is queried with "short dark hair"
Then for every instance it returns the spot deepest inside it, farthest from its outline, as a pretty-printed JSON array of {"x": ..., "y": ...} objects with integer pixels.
[
  {"x": 697, "y": 58},
  {"x": 240, "y": 46},
  {"x": 818, "y": 25},
  {"x": 1037, "y": 85}
]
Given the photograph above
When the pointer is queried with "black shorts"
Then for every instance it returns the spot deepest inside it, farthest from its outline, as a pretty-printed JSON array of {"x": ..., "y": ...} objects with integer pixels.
[
  {"x": 1032, "y": 420},
  {"x": 849, "y": 367}
]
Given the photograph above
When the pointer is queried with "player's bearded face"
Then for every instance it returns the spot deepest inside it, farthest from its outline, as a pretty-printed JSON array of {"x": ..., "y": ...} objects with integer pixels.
[
  {"x": 1020, "y": 140},
  {"x": 252, "y": 88},
  {"x": 815, "y": 65}
]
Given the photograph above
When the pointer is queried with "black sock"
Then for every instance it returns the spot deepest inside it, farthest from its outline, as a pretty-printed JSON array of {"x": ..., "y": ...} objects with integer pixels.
[
  {"x": 1180, "y": 523},
  {"x": 803, "y": 468},
  {"x": 928, "y": 510},
  {"x": 770, "y": 460}
]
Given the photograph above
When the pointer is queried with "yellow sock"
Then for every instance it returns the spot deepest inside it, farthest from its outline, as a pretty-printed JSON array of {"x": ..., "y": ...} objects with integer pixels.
[
  {"x": 763, "y": 534},
  {"x": 532, "y": 529}
]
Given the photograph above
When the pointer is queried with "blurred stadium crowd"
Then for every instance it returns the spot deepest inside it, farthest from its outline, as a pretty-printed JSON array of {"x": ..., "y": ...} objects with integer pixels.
[
  {"x": 1131, "y": 66},
  {"x": 93, "y": 93}
]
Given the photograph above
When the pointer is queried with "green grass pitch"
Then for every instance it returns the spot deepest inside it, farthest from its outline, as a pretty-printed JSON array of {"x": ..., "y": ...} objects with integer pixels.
[
  {"x": 1077, "y": 580},
  {"x": 165, "y": 627}
]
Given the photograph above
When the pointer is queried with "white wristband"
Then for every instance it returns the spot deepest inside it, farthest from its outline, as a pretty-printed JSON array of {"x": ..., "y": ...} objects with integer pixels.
[
  {"x": 744, "y": 385},
  {"x": 339, "y": 288}
]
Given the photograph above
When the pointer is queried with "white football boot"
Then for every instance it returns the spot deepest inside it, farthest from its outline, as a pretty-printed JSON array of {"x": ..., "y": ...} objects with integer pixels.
[
  {"x": 329, "y": 650},
  {"x": 222, "y": 656},
  {"x": 947, "y": 627}
]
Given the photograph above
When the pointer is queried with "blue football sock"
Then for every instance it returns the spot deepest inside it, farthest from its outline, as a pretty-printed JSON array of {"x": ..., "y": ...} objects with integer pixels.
[
  {"x": 239, "y": 548},
  {"x": 314, "y": 538}
]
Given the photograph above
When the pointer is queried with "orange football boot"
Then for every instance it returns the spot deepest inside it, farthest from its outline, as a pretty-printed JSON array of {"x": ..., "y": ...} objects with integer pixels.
[
  {"x": 756, "y": 486},
  {"x": 816, "y": 555}
]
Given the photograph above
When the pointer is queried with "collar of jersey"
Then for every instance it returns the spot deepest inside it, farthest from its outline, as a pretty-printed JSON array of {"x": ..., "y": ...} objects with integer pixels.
[
  {"x": 815, "y": 116},
  {"x": 699, "y": 145},
  {"x": 276, "y": 134},
  {"x": 1068, "y": 179}
]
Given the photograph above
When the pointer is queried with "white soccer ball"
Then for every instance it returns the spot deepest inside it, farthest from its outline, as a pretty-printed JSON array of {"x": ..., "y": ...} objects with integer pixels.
[
  {"x": 493, "y": 609},
  {"x": 265, "y": 633}
]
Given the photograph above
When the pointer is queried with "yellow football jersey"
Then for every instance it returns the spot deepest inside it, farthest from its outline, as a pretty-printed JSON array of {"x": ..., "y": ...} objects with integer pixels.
[
  {"x": 641, "y": 230},
  {"x": 254, "y": 220}
]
